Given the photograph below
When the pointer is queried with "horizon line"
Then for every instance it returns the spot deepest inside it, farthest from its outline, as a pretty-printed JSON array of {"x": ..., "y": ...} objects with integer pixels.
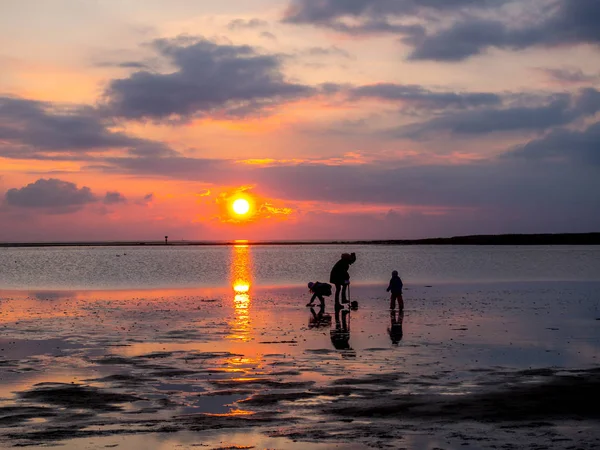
[{"x": 589, "y": 238}]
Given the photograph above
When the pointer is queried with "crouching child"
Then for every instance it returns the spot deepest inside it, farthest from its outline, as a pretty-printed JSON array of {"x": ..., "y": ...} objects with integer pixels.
[{"x": 319, "y": 290}]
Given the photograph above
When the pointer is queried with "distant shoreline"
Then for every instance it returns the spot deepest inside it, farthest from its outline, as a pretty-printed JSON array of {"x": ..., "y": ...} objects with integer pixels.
[{"x": 501, "y": 239}]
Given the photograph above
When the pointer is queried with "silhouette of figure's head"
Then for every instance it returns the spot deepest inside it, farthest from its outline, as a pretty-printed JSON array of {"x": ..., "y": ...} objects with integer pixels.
[
  {"x": 350, "y": 257},
  {"x": 395, "y": 330}
]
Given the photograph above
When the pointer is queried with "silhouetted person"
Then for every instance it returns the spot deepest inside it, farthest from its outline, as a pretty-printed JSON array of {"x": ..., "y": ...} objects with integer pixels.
[
  {"x": 319, "y": 319},
  {"x": 340, "y": 277},
  {"x": 340, "y": 335},
  {"x": 319, "y": 290},
  {"x": 395, "y": 287},
  {"x": 395, "y": 329}
]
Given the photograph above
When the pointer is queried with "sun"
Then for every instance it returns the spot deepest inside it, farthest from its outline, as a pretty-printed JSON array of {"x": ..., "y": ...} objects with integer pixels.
[{"x": 241, "y": 206}]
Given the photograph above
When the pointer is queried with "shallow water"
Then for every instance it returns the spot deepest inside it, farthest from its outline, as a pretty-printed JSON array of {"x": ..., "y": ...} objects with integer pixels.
[
  {"x": 210, "y": 266},
  {"x": 236, "y": 362},
  {"x": 259, "y": 363}
]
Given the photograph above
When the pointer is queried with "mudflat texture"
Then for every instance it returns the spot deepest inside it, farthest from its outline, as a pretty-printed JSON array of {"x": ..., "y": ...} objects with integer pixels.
[{"x": 496, "y": 365}]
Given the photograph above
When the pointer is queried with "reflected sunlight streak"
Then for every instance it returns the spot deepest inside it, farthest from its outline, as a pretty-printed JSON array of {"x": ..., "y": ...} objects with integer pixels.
[{"x": 241, "y": 280}]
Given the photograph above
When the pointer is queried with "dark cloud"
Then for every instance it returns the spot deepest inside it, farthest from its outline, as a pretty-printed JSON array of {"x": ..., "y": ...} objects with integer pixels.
[
  {"x": 146, "y": 200},
  {"x": 569, "y": 76},
  {"x": 564, "y": 145},
  {"x": 327, "y": 11},
  {"x": 572, "y": 22},
  {"x": 328, "y": 51},
  {"x": 425, "y": 98},
  {"x": 416, "y": 22},
  {"x": 47, "y": 131},
  {"x": 40, "y": 124},
  {"x": 175, "y": 166},
  {"x": 132, "y": 65},
  {"x": 558, "y": 110},
  {"x": 529, "y": 187},
  {"x": 458, "y": 42},
  {"x": 62, "y": 196},
  {"x": 123, "y": 64},
  {"x": 112, "y": 198},
  {"x": 208, "y": 78},
  {"x": 515, "y": 183},
  {"x": 268, "y": 35},
  {"x": 241, "y": 24}
]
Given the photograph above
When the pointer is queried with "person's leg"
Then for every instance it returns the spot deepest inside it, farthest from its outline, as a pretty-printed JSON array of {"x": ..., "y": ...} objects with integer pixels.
[
  {"x": 344, "y": 299},
  {"x": 392, "y": 301},
  {"x": 337, "y": 293},
  {"x": 345, "y": 320},
  {"x": 400, "y": 302},
  {"x": 322, "y": 300}
]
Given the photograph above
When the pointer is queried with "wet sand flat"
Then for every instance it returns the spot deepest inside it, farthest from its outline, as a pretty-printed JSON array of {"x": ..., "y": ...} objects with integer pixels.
[{"x": 496, "y": 365}]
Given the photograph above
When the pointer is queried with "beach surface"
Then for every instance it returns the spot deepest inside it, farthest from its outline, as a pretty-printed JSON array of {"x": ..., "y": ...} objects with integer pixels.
[{"x": 475, "y": 365}]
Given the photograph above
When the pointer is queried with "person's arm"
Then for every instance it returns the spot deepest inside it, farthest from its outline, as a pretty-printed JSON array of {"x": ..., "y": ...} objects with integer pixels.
[
  {"x": 313, "y": 297},
  {"x": 389, "y": 288}
]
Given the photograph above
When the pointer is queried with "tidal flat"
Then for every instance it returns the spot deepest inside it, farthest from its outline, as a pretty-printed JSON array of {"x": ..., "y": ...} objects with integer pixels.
[{"x": 475, "y": 365}]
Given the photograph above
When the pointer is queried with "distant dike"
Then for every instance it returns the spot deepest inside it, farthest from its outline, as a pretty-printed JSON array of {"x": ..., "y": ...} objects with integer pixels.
[{"x": 500, "y": 239}]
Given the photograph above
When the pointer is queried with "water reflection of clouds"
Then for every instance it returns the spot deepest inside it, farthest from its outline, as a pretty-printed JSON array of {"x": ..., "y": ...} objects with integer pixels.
[{"x": 241, "y": 281}]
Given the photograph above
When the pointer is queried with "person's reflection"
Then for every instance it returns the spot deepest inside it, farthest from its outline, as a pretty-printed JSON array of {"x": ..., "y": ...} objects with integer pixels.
[
  {"x": 318, "y": 319},
  {"x": 241, "y": 280},
  {"x": 340, "y": 335},
  {"x": 395, "y": 329}
]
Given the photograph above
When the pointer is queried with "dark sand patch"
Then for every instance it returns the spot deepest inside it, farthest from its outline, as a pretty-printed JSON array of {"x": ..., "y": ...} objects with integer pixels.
[
  {"x": 270, "y": 399},
  {"x": 234, "y": 447},
  {"x": 561, "y": 397},
  {"x": 170, "y": 373},
  {"x": 379, "y": 379},
  {"x": 337, "y": 391},
  {"x": 285, "y": 373},
  {"x": 225, "y": 392},
  {"x": 126, "y": 379},
  {"x": 156, "y": 355},
  {"x": 203, "y": 421},
  {"x": 338, "y": 401},
  {"x": 9, "y": 362},
  {"x": 235, "y": 382},
  {"x": 12, "y": 415},
  {"x": 211, "y": 355},
  {"x": 55, "y": 434},
  {"x": 77, "y": 396},
  {"x": 115, "y": 360}
]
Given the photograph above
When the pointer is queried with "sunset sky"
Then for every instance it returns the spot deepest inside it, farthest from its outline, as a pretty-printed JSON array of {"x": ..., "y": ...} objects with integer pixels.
[{"x": 334, "y": 119}]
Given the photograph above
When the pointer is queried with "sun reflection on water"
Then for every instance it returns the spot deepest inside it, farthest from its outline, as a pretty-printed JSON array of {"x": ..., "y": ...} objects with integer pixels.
[{"x": 241, "y": 280}]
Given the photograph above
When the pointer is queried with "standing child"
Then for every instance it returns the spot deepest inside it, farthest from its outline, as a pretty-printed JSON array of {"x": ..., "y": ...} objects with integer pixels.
[{"x": 395, "y": 287}]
